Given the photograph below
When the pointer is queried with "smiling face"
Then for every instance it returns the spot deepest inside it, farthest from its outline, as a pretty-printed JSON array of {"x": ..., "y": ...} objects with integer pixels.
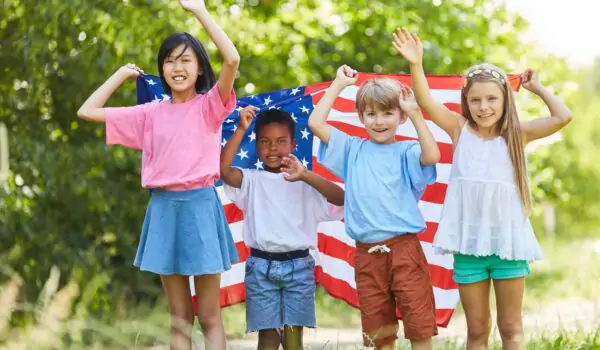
[
  {"x": 274, "y": 143},
  {"x": 485, "y": 100},
  {"x": 381, "y": 123},
  {"x": 181, "y": 69}
]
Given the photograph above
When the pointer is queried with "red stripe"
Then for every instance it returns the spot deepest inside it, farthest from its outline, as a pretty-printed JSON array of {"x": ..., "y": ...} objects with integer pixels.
[{"x": 445, "y": 148}]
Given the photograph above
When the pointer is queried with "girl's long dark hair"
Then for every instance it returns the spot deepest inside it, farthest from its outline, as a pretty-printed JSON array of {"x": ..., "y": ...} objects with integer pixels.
[{"x": 205, "y": 81}]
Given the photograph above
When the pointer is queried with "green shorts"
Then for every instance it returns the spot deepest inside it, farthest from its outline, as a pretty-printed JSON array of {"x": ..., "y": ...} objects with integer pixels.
[{"x": 471, "y": 269}]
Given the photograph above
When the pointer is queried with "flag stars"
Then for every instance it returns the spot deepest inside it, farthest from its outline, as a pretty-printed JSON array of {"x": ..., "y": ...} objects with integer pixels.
[
  {"x": 304, "y": 109},
  {"x": 267, "y": 101},
  {"x": 304, "y": 162},
  {"x": 229, "y": 121},
  {"x": 223, "y": 143},
  {"x": 243, "y": 154},
  {"x": 166, "y": 97},
  {"x": 258, "y": 164},
  {"x": 294, "y": 91},
  {"x": 305, "y": 134},
  {"x": 252, "y": 136},
  {"x": 151, "y": 82},
  {"x": 294, "y": 117}
]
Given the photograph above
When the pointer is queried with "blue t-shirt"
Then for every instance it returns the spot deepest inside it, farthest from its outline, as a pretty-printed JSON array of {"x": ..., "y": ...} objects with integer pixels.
[{"x": 383, "y": 185}]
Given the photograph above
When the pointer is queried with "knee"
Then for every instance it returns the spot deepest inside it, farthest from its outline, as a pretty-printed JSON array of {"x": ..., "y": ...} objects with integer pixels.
[
  {"x": 511, "y": 330},
  {"x": 182, "y": 313},
  {"x": 209, "y": 320},
  {"x": 479, "y": 330}
]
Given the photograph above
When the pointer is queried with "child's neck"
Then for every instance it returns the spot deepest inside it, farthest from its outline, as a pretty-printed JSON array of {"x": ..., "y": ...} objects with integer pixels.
[
  {"x": 181, "y": 97},
  {"x": 273, "y": 170}
]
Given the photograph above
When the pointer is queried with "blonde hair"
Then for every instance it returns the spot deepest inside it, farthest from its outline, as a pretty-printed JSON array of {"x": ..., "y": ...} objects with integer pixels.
[
  {"x": 381, "y": 93},
  {"x": 508, "y": 126}
]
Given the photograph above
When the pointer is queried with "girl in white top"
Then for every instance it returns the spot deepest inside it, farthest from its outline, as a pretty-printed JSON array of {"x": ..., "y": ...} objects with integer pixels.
[{"x": 485, "y": 220}]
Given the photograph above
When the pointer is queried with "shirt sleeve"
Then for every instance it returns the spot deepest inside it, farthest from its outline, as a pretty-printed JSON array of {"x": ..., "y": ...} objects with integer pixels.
[
  {"x": 214, "y": 111},
  {"x": 334, "y": 155},
  {"x": 125, "y": 125},
  {"x": 419, "y": 176},
  {"x": 239, "y": 196}
]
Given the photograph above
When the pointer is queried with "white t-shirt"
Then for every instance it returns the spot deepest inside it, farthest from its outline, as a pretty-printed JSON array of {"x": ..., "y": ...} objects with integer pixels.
[{"x": 280, "y": 216}]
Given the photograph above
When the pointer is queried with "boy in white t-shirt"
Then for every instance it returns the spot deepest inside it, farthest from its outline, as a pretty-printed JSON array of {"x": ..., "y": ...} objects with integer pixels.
[{"x": 283, "y": 205}]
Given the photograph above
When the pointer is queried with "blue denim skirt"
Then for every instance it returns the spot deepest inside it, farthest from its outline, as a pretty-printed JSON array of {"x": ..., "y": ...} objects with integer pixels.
[{"x": 185, "y": 233}]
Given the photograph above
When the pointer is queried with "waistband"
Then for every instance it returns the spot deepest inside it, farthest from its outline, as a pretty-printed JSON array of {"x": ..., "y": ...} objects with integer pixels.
[
  {"x": 400, "y": 239},
  {"x": 295, "y": 254}
]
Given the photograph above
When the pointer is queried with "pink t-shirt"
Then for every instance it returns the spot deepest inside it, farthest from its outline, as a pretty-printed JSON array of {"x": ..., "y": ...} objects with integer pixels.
[{"x": 180, "y": 142}]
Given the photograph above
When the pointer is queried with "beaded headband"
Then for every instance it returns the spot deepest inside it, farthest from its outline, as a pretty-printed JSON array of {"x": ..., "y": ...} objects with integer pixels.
[{"x": 497, "y": 76}]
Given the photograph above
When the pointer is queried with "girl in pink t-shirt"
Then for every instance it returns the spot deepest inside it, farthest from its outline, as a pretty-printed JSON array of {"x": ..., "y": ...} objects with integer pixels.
[{"x": 185, "y": 232}]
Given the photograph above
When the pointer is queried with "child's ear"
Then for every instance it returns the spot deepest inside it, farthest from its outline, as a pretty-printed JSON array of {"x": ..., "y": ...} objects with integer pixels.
[{"x": 294, "y": 145}]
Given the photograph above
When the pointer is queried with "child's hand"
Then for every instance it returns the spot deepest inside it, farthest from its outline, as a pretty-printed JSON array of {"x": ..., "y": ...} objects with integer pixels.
[
  {"x": 294, "y": 168},
  {"x": 130, "y": 71},
  {"x": 408, "y": 45},
  {"x": 193, "y": 5},
  {"x": 245, "y": 117},
  {"x": 408, "y": 103},
  {"x": 345, "y": 76},
  {"x": 531, "y": 81}
]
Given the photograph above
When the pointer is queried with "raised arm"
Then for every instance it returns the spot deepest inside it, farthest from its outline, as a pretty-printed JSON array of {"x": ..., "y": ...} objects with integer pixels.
[
  {"x": 430, "y": 152},
  {"x": 410, "y": 47},
  {"x": 560, "y": 114},
  {"x": 92, "y": 109},
  {"x": 230, "y": 175},
  {"x": 317, "y": 121},
  {"x": 297, "y": 172},
  {"x": 231, "y": 57}
]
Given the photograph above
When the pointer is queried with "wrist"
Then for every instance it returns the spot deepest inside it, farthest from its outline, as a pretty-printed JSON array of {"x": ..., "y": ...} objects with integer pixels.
[{"x": 416, "y": 65}]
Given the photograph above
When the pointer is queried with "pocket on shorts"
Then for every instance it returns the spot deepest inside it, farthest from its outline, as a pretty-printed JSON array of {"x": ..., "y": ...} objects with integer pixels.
[
  {"x": 416, "y": 254},
  {"x": 250, "y": 262},
  {"x": 308, "y": 262}
]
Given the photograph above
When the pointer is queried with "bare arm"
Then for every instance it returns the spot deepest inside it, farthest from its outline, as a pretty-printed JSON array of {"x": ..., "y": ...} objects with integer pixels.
[
  {"x": 560, "y": 114},
  {"x": 317, "y": 121},
  {"x": 410, "y": 47},
  {"x": 430, "y": 152},
  {"x": 231, "y": 57},
  {"x": 230, "y": 175},
  {"x": 297, "y": 172},
  {"x": 93, "y": 108}
]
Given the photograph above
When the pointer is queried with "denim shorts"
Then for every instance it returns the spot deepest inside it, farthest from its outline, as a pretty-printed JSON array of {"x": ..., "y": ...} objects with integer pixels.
[
  {"x": 472, "y": 269},
  {"x": 280, "y": 293}
]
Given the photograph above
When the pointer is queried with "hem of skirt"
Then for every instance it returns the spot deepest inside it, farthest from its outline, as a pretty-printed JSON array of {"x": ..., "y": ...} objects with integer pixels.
[
  {"x": 182, "y": 273},
  {"x": 443, "y": 251}
]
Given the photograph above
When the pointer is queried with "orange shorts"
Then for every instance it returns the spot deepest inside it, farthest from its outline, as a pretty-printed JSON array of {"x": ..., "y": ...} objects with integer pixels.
[{"x": 398, "y": 278}]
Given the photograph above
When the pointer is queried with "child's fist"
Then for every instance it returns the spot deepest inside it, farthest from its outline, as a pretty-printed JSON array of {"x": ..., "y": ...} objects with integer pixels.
[
  {"x": 245, "y": 117},
  {"x": 130, "y": 71},
  {"x": 346, "y": 75},
  {"x": 531, "y": 80}
]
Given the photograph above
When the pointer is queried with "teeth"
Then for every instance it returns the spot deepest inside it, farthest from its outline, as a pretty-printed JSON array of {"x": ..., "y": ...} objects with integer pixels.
[{"x": 178, "y": 78}]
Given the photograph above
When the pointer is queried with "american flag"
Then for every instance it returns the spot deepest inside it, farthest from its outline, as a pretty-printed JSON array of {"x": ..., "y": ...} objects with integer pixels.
[{"x": 334, "y": 257}]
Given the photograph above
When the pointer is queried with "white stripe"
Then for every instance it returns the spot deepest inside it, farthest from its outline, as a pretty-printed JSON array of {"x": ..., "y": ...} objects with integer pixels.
[
  {"x": 230, "y": 277},
  {"x": 336, "y": 230},
  {"x": 236, "y": 231},
  {"x": 341, "y": 270},
  {"x": 407, "y": 129},
  {"x": 446, "y": 261},
  {"x": 442, "y": 95},
  {"x": 222, "y": 196},
  {"x": 431, "y": 211}
]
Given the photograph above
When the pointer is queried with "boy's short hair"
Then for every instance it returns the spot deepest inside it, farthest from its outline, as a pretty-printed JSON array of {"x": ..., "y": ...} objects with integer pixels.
[
  {"x": 275, "y": 116},
  {"x": 380, "y": 93}
]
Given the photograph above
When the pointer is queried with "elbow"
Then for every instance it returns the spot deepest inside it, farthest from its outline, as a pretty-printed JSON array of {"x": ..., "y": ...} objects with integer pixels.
[
  {"x": 232, "y": 61},
  {"x": 313, "y": 124},
  {"x": 81, "y": 114},
  {"x": 431, "y": 158},
  {"x": 567, "y": 119}
]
